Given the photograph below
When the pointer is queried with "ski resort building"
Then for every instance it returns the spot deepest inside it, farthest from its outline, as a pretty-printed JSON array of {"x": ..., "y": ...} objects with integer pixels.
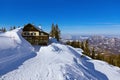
[{"x": 35, "y": 35}]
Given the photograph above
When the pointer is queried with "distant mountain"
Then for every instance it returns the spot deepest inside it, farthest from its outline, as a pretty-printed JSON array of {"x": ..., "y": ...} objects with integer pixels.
[
  {"x": 74, "y": 37},
  {"x": 102, "y": 43}
]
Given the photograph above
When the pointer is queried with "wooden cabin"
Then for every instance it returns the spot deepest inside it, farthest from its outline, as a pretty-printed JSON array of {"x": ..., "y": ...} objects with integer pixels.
[{"x": 35, "y": 35}]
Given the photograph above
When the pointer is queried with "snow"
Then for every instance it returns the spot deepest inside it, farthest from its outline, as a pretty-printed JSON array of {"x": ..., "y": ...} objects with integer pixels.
[
  {"x": 52, "y": 40},
  {"x": 13, "y": 50},
  {"x": 53, "y": 62},
  {"x": 106, "y": 69}
]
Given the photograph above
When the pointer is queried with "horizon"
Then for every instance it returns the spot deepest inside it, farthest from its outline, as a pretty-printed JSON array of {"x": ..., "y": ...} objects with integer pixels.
[{"x": 72, "y": 17}]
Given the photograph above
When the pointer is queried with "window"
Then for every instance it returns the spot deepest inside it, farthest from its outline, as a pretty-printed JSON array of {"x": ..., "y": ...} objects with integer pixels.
[
  {"x": 34, "y": 33},
  {"x": 31, "y": 34},
  {"x": 28, "y": 34},
  {"x": 24, "y": 33}
]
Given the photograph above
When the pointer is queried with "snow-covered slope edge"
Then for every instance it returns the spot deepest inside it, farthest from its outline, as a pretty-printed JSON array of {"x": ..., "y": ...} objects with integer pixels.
[
  {"x": 62, "y": 62},
  {"x": 14, "y": 50}
]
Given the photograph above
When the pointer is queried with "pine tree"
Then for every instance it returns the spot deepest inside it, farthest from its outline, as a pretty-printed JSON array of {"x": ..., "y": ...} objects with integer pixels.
[
  {"x": 93, "y": 53},
  {"x": 52, "y": 33},
  {"x": 118, "y": 60},
  {"x": 14, "y": 27},
  {"x": 82, "y": 46},
  {"x": 78, "y": 44},
  {"x": 87, "y": 50},
  {"x": 4, "y": 29},
  {"x": 98, "y": 56},
  {"x": 68, "y": 43},
  {"x": 57, "y": 33}
]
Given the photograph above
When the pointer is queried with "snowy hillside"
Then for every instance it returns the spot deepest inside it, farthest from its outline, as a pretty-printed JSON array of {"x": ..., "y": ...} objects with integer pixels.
[
  {"x": 13, "y": 50},
  {"x": 52, "y": 62}
]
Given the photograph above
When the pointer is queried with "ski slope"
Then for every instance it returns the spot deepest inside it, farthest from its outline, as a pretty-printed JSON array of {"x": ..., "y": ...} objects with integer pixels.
[{"x": 54, "y": 62}]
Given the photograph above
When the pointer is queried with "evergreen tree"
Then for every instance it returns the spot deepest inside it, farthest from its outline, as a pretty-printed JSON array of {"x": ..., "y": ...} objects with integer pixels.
[
  {"x": 4, "y": 29},
  {"x": 87, "y": 50},
  {"x": 78, "y": 44},
  {"x": 57, "y": 33},
  {"x": 118, "y": 60},
  {"x": 52, "y": 33},
  {"x": 98, "y": 56},
  {"x": 93, "y": 53},
  {"x": 14, "y": 27},
  {"x": 68, "y": 43},
  {"x": 82, "y": 46},
  {"x": 74, "y": 44}
]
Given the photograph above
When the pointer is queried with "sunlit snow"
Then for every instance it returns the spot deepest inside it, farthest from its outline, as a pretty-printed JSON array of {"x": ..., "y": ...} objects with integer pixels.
[{"x": 53, "y": 62}]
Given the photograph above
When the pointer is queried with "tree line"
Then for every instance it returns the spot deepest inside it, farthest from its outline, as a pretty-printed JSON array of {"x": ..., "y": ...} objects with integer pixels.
[
  {"x": 113, "y": 59},
  {"x": 55, "y": 32},
  {"x": 3, "y": 29}
]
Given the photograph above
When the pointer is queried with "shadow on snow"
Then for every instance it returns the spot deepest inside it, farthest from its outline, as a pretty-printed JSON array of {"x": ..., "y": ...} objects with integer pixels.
[
  {"x": 15, "y": 64},
  {"x": 90, "y": 67}
]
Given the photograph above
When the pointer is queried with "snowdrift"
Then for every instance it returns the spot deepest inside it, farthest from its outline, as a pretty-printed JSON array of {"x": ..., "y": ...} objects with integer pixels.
[
  {"x": 62, "y": 62},
  {"x": 20, "y": 61},
  {"x": 13, "y": 50}
]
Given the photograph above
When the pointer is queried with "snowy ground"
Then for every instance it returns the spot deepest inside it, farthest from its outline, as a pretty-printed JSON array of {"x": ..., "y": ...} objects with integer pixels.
[
  {"x": 53, "y": 62},
  {"x": 14, "y": 50}
]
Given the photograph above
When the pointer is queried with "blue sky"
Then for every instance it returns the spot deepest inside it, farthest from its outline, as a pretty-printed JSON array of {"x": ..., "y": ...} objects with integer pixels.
[{"x": 72, "y": 16}]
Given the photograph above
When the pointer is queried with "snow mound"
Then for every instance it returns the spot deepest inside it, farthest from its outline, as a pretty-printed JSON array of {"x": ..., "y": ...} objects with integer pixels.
[
  {"x": 52, "y": 40},
  {"x": 13, "y": 50},
  {"x": 62, "y": 62}
]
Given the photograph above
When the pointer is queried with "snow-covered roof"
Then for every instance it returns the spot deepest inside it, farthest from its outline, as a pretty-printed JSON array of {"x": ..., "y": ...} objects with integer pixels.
[{"x": 36, "y": 27}]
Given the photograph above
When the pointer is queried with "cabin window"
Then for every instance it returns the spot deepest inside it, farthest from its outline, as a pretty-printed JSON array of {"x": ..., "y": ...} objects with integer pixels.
[
  {"x": 34, "y": 33},
  {"x": 28, "y": 34},
  {"x": 24, "y": 33},
  {"x": 31, "y": 34}
]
